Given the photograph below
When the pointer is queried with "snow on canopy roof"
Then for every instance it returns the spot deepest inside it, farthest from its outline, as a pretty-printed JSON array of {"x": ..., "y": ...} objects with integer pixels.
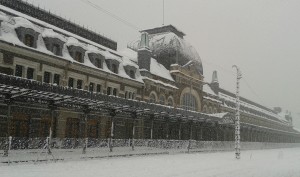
[
  {"x": 227, "y": 79},
  {"x": 251, "y": 106},
  {"x": 219, "y": 115},
  {"x": 159, "y": 70},
  {"x": 51, "y": 34}
]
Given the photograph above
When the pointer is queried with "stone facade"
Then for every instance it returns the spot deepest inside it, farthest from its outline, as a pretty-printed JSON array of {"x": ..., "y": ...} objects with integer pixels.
[{"x": 177, "y": 83}]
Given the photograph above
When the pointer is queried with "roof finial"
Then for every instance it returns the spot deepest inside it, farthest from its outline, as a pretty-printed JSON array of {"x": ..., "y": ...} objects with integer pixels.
[{"x": 215, "y": 77}]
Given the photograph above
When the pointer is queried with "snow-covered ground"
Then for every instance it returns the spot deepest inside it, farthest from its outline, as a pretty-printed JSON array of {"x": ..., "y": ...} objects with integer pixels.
[{"x": 254, "y": 163}]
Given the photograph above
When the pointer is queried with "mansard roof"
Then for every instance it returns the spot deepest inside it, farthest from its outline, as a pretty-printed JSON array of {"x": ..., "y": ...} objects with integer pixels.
[
  {"x": 13, "y": 22},
  {"x": 35, "y": 12}
]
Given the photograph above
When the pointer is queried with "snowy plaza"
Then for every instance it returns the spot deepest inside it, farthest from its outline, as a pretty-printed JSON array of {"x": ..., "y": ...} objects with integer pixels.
[{"x": 253, "y": 163}]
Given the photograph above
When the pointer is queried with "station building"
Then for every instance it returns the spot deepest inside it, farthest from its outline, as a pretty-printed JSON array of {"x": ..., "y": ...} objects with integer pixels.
[{"x": 160, "y": 72}]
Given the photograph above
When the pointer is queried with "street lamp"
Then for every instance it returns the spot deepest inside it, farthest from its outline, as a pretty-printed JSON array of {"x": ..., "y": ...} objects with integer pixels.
[{"x": 237, "y": 115}]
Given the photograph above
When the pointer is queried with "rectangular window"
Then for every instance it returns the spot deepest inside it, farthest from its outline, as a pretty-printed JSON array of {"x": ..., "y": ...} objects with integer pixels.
[
  {"x": 29, "y": 40},
  {"x": 98, "y": 88},
  {"x": 71, "y": 82},
  {"x": 91, "y": 87},
  {"x": 19, "y": 71},
  {"x": 30, "y": 72},
  {"x": 56, "y": 49},
  {"x": 115, "y": 92},
  {"x": 47, "y": 77},
  {"x": 56, "y": 79},
  {"x": 109, "y": 90},
  {"x": 79, "y": 84},
  {"x": 78, "y": 57}
]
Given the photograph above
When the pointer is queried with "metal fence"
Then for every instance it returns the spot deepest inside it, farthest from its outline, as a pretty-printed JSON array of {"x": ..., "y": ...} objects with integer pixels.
[{"x": 35, "y": 150}]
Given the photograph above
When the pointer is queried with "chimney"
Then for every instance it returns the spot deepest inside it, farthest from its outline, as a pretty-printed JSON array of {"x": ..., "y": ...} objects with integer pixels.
[
  {"x": 144, "y": 52},
  {"x": 215, "y": 82}
]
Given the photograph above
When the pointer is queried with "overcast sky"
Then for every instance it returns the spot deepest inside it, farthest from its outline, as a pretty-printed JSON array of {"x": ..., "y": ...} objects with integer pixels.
[{"x": 260, "y": 36}]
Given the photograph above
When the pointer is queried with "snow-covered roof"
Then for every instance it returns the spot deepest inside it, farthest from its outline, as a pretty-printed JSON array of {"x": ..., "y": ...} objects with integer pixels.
[
  {"x": 219, "y": 115},
  {"x": 131, "y": 54},
  {"x": 164, "y": 40},
  {"x": 168, "y": 42},
  {"x": 47, "y": 25},
  {"x": 51, "y": 34},
  {"x": 74, "y": 42},
  {"x": 9, "y": 35},
  {"x": 159, "y": 70},
  {"x": 208, "y": 90},
  {"x": 3, "y": 16},
  {"x": 212, "y": 99},
  {"x": 251, "y": 106},
  {"x": 22, "y": 22},
  {"x": 160, "y": 82},
  {"x": 128, "y": 62},
  {"x": 155, "y": 67}
]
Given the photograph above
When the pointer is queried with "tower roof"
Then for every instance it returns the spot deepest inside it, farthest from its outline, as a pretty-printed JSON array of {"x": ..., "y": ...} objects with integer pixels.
[{"x": 164, "y": 29}]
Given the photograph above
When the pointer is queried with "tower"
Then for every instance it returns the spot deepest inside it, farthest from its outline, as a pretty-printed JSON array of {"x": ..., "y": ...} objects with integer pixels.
[
  {"x": 144, "y": 52},
  {"x": 215, "y": 82}
]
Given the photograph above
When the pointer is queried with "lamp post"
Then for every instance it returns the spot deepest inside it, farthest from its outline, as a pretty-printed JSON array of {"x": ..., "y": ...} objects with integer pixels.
[{"x": 237, "y": 115}]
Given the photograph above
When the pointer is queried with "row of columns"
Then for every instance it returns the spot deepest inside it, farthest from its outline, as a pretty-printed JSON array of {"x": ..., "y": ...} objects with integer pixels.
[{"x": 201, "y": 131}]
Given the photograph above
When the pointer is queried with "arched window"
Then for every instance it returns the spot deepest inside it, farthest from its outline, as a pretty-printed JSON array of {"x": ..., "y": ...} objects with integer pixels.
[
  {"x": 189, "y": 102},
  {"x": 29, "y": 40},
  {"x": 129, "y": 95},
  {"x": 152, "y": 98},
  {"x": 170, "y": 102},
  {"x": 162, "y": 99},
  {"x": 126, "y": 95}
]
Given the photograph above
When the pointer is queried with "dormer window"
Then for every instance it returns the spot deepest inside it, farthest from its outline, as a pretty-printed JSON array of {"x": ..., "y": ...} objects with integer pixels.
[
  {"x": 113, "y": 65},
  {"x": 54, "y": 45},
  {"x": 130, "y": 71},
  {"x": 27, "y": 36},
  {"x": 97, "y": 60},
  {"x": 29, "y": 40},
  {"x": 77, "y": 53}
]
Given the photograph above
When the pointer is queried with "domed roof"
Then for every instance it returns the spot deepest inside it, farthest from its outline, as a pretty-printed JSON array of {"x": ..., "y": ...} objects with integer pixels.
[{"x": 169, "y": 47}]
